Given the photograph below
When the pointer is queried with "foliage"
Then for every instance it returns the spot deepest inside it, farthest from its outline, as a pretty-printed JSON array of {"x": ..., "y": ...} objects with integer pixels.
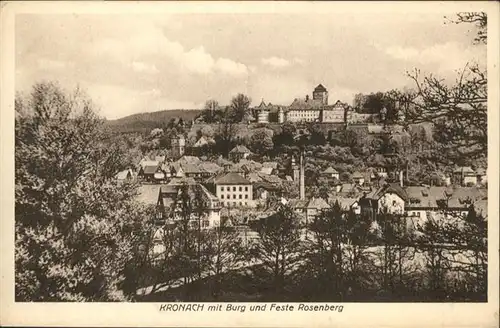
[
  {"x": 278, "y": 248},
  {"x": 73, "y": 223},
  {"x": 240, "y": 108},
  {"x": 458, "y": 111}
]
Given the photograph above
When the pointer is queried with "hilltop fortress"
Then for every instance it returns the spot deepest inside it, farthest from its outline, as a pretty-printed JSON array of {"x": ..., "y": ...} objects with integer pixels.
[{"x": 315, "y": 109}]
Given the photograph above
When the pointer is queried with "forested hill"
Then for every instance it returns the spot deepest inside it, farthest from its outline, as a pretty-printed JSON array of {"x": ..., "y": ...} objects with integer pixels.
[{"x": 145, "y": 122}]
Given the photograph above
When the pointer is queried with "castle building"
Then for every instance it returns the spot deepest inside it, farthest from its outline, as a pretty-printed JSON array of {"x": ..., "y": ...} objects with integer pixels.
[
  {"x": 321, "y": 94},
  {"x": 178, "y": 146},
  {"x": 262, "y": 112},
  {"x": 317, "y": 109},
  {"x": 335, "y": 113}
]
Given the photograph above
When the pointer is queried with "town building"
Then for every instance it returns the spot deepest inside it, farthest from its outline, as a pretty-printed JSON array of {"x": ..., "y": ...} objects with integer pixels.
[
  {"x": 170, "y": 204},
  {"x": 338, "y": 113},
  {"x": 465, "y": 176},
  {"x": 239, "y": 152},
  {"x": 233, "y": 190},
  {"x": 308, "y": 209},
  {"x": 178, "y": 146},
  {"x": 125, "y": 175},
  {"x": 358, "y": 178},
  {"x": 317, "y": 109},
  {"x": 204, "y": 141},
  {"x": 330, "y": 172},
  {"x": 263, "y": 112},
  {"x": 389, "y": 198},
  {"x": 148, "y": 170}
]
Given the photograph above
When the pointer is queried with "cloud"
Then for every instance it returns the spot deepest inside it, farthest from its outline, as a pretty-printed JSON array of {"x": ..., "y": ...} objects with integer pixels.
[
  {"x": 276, "y": 62},
  {"x": 447, "y": 56},
  {"x": 231, "y": 67},
  {"x": 112, "y": 104},
  {"x": 50, "y": 64},
  {"x": 142, "y": 67},
  {"x": 154, "y": 44},
  {"x": 299, "y": 61}
]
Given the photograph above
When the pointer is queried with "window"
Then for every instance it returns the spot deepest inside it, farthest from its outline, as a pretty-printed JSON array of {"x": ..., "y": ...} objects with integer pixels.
[
  {"x": 241, "y": 188},
  {"x": 240, "y": 203},
  {"x": 234, "y": 188},
  {"x": 418, "y": 214},
  {"x": 221, "y": 196},
  {"x": 245, "y": 203},
  {"x": 246, "y": 188},
  {"x": 234, "y": 196},
  {"x": 221, "y": 188},
  {"x": 240, "y": 196},
  {"x": 246, "y": 196}
]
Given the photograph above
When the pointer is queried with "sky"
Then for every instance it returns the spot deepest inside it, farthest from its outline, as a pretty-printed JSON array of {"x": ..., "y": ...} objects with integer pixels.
[{"x": 142, "y": 63}]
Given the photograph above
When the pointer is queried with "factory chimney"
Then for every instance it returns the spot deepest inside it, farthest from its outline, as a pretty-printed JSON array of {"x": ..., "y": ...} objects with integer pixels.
[
  {"x": 401, "y": 178},
  {"x": 302, "y": 188}
]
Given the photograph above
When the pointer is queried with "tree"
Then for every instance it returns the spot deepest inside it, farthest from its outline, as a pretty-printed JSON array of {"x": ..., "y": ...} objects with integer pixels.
[
  {"x": 359, "y": 102},
  {"x": 325, "y": 251},
  {"x": 395, "y": 254},
  {"x": 458, "y": 111},
  {"x": 358, "y": 263},
  {"x": 240, "y": 107},
  {"x": 278, "y": 248},
  {"x": 227, "y": 252},
  {"x": 73, "y": 223},
  {"x": 261, "y": 141},
  {"x": 211, "y": 111},
  {"x": 225, "y": 139}
]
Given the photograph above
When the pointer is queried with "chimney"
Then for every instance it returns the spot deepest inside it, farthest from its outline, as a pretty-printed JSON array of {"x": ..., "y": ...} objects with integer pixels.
[
  {"x": 302, "y": 188},
  {"x": 401, "y": 178},
  {"x": 307, "y": 98}
]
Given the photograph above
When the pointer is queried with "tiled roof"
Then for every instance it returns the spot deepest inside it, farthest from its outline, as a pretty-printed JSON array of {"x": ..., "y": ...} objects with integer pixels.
[
  {"x": 344, "y": 202},
  {"x": 388, "y": 188},
  {"x": 150, "y": 169},
  {"x": 481, "y": 171},
  {"x": 357, "y": 175},
  {"x": 297, "y": 203},
  {"x": 273, "y": 165},
  {"x": 210, "y": 167},
  {"x": 320, "y": 87},
  {"x": 464, "y": 169},
  {"x": 148, "y": 194},
  {"x": 330, "y": 170},
  {"x": 266, "y": 170},
  {"x": 304, "y": 104},
  {"x": 180, "y": 181},
  {"x": 422, "y": 197},
  {"x": 231, "y": 178},
  {"x": 317, "y": 203},
  {"x": 188, "y": 160},
  {"x": 124, "y": 174},
  {"x": 145, "y": 163},
  {"x": 240, "y": 149}
]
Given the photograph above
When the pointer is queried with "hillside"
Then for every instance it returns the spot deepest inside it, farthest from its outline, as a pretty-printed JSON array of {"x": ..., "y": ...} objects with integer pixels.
[{"x": 145, "y": 122}]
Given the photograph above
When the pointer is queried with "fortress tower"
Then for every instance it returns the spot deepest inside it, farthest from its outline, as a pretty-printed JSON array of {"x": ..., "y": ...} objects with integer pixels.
[{"x": 321, "y": 94}]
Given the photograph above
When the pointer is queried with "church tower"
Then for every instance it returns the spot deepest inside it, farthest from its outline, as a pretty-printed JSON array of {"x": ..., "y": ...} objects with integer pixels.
[{"x": 321, "y": 94}]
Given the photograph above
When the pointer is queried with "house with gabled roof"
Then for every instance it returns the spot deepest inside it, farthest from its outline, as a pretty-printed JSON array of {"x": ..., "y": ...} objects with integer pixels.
[
  {"x": 204, "y": 141},
  {"x": 170, "y": 208},
  {"x": 239, "y": 152},
  {"x": 389, "y": 198},
  {"x": 125, "y": 175},
  {"x": 481, "y": 175},
  {"x": 358, "y": 178},
  {"x": 234, "y": 190},
  {"x": 465, "y": 176},
  {"x": 330, "y": 172}
]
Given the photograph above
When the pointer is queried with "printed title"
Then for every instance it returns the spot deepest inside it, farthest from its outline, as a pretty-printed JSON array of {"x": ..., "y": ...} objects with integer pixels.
[{"x": 273, "y": 307}]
